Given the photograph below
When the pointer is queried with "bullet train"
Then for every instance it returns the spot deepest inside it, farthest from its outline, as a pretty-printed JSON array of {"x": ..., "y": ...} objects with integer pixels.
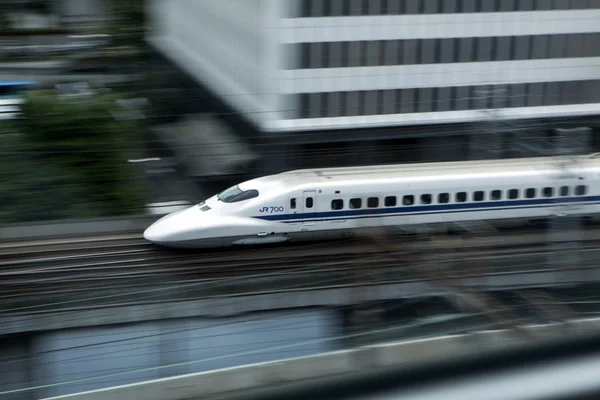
[{"x": 316, "y": 204}]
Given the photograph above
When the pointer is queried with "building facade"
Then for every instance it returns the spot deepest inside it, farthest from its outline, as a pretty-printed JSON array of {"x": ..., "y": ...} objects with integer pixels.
[{"x": 293, "y": 66}]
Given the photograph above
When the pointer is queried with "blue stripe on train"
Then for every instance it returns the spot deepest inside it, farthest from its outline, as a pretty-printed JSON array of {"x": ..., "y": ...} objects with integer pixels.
[{"x": 432, "y": 209}]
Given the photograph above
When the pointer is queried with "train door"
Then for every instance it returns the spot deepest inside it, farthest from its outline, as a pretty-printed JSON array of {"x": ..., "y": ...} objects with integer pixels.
[
  {"x": 308, "y": 208},
  {"x": 295, "y": 209}
]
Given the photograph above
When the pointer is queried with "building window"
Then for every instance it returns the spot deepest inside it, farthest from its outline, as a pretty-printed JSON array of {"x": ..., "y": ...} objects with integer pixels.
[
  {"x": 444, "y": 50},
  {"x": 340, "y": 8},
  {"x": 337, "y": 204},
  {"x": 416, "y": 100}
]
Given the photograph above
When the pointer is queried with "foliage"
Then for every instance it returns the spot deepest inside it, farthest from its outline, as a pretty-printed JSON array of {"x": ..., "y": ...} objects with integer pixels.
[
  {"x": 129, "y": 25},
  {"x": 69, "y": 161},
  {"x": 5, "y": 23}
]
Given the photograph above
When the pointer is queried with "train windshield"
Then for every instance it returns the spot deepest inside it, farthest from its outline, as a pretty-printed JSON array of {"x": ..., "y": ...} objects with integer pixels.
[{"x": 235, "y": 194}]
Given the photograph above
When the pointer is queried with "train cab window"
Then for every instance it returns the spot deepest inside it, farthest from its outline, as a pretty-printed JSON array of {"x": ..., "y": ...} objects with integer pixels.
[
  {"x": 408, "y": 200},
  {"x": 355, "y": 203},
  {"x": 564, "y": 190},
  {"x": 496, "y": 195},
  {"x": 461, "y": 197},
  {"x": 337, "y": 204},
  {"x": 390, "y": 201},
  {"x": 293, "y": 204},
  {"x": 309, "y": 203},
  {"x": 373, "y": 202},
  {"x": 478, "y": 195},
  {"x": 425, "y": 199},
  {"x": 235, "y": 194},
  {"x": 530, "y": 193},
  {"x": 548, "y": 192},
  {"x": 580, "y": 190},
  {"x": 513, "y": 194},
  {"x": 443, "y": 198}
]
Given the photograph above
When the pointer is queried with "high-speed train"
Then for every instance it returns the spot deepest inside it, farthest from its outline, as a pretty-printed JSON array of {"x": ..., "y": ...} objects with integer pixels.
[{"x": 331, "y": 203}]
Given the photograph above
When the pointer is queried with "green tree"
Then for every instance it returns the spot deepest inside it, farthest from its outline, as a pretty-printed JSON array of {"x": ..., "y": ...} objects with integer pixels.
[
  {"x": 128, "y": 27},
  {"x": 74, "y": 155},
  {"x": 5, "y": 23}
]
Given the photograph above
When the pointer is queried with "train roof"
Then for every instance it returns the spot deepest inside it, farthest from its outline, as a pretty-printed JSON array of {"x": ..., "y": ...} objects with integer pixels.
[{"x": 480, "y": 168}]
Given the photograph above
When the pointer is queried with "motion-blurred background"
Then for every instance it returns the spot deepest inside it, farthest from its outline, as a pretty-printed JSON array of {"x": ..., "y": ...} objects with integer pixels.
[{"x": 115, "y": 109}]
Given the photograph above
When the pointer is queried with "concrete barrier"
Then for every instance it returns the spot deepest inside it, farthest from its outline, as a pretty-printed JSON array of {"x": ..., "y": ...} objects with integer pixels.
[
  {"x": 405, "y": 354},
  {"x": 76, "y": 227}
]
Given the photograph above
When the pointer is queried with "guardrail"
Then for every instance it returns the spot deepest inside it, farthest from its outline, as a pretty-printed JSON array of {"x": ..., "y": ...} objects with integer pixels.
[
  {"x": 65, "y": 228},
  {"x": 407, "y": 354}
]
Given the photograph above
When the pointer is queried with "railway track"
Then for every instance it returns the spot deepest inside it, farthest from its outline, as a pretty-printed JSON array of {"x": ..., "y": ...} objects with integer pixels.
[{"x": 85, "y": 270}]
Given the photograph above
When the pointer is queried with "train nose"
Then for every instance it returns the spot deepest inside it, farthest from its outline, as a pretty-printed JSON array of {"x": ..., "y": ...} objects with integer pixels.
[
  {"x": 175, "y": 229},
  {"x": 154, "y": 233}
]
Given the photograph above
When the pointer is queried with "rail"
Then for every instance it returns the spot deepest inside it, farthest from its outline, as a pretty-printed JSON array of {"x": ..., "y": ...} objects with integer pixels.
[{"x": 65, "y": 274}]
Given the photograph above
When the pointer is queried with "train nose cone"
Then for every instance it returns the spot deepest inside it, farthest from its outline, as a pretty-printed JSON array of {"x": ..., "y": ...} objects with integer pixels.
[{"x": 154, "y": 233}]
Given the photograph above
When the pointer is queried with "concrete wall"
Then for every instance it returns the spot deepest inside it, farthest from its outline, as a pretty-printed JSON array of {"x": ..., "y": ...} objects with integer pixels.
[
  {"x": 408, "y": 354},
  {"x": 228, "y": 45}
]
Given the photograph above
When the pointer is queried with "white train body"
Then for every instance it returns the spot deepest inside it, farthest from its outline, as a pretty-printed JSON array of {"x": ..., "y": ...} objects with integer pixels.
[{"x": 336, "y": 202}]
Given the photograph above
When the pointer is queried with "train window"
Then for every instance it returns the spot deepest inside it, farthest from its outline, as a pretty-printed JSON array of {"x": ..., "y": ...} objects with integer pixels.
[
  {"x": 564, "y": 191},
  {"x": 309, "y": 202},
  {"x": 425, "y": 199},
  {"x": 461, "y": 197},
  {"x": 580, "y": 190},
  {"x": 513, "y": 194},
  {"x": 373, "y": 202},
  {"x": 247, "y": 195},
  {"x": 478, "y": 195},
  {"x": 293, "y": 204},
  {"x": 443, "y": 198},
  {"x": 390, "y": 201},
  {"x": 408, "y": 200},
  {"x": 337, "y": 204},
  {"x": 355, "y": 203},
  {"x": 235, "y": 194},
  {"x": 548, "y": 192},
  {"x": 530, "y": 193},
  {"x": 496, "y": 195}
]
